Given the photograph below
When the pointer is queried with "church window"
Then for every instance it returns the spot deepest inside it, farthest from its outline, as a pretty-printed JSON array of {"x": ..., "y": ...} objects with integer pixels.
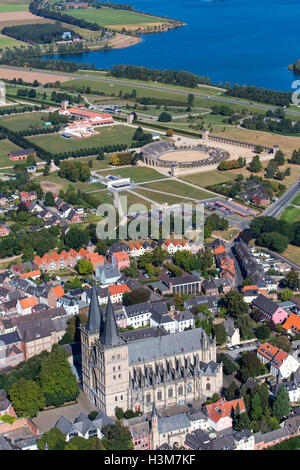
[
  {"x": 148, "y": 398},
  {"x": 116, "y": 398},
  {"x": 207, "y": 386},
  {"x": 159, "y": 395},
  {"x": 180, "y": 390},
  {"x": 170, "y": 392}
]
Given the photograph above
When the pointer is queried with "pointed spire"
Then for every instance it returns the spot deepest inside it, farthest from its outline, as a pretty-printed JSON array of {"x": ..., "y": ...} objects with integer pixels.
[
  {"x": 110, "y": 335},
  {"x": 154, "y": 411},
  {"x": 95, "y": 318}
]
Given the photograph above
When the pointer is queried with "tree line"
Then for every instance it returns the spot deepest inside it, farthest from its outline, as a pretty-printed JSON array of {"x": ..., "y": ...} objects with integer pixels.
[
  {"x": 262, "y": 95},
  {"x": 37, "y": 33},
  {"x": 175, "y": 77}
]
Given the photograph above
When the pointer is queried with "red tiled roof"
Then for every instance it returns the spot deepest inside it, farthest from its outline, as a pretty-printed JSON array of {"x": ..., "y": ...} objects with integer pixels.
[
  {"x": 222, "y": 408},
  {"x": 119, "y": 289}
]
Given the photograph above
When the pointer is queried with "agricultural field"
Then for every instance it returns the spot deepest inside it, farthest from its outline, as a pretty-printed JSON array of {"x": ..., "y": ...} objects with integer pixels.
[
  {"x": 112, "y": 17},
  {"x": 292, "y": 253},
  {"x": 5, "y": 148},
  {"x": 6, "y": 42},
  {"x": 21, "y": 122},
  {"x": 107, "y": 136},
  {"x": 136, "y": 174},
  {"x": 9, "y": 6},
  {"x": 176, "y": 188}
]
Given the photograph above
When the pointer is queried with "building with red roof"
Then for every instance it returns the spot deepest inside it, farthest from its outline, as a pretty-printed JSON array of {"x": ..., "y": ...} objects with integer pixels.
[
  {"x": 219, "y": 413},
  {"x": 281, "y": 363}
]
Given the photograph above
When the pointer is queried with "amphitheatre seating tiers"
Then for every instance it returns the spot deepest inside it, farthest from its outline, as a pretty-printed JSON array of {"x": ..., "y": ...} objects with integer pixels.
[{"x": 152, "y": 155}]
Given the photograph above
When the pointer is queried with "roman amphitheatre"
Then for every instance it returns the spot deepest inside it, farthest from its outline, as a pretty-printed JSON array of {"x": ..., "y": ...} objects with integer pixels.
[{"x": 186, "y": 155}]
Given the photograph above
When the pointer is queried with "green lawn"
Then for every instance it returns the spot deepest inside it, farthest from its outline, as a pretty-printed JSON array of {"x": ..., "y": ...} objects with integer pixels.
[
  {"x": 208, "y": 178},
  {"x": 5, "y": 148},
  {"x": 12, "y": 7},
  {"x": 136, "y": 174},
  {"x": 291, "y": 214},
  {"x": 133, "y": 199},
  {"x": 180, "y": 189},
  {"x": 107, "y": 136},
  {"x": 160, "y": 198},
  {"x": 296, "y": 201},
  {"x": 5, "y": 41},
  {"x": 114, "y": 17},
  {"x": 21, "y": 122}
]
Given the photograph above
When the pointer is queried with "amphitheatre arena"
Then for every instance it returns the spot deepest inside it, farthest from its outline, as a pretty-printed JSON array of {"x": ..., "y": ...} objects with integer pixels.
[{"x": 191, "y": 155}]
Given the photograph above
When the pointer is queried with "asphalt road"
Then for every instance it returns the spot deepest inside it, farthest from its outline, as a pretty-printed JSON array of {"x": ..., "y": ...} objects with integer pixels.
[
  {"x": 141, "y": 85},
  {"x": 278, "y": 207}
]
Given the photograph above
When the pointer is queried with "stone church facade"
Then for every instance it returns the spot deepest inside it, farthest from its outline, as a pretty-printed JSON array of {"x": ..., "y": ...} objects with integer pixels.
[{"x": 165, "y": 370}]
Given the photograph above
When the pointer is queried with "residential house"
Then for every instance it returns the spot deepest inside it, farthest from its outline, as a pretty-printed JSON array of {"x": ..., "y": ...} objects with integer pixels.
[
  {"x": 271, "y": 311},
  {"x": 107, "y": 274},
  {"x": 116, "y": 292},
  {"x": 281, "y": 363},
  {"x": 219, "y": 413},
  {"x": 4, "y": 229},
  {"x": 232, "y": 332},
  {"x": 24, "y": 306},
  {"x": 22, "y": 154},
  {"x": 120, "y": 260},
  {"x": 83, "y": 426}
]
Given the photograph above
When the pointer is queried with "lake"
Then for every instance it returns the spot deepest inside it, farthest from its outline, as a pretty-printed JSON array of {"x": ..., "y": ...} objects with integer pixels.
[{"x": 240, "y": 41}]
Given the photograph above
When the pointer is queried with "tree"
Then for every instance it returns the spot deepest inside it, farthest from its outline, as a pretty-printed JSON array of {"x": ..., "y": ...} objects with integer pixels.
[
  {"x": 52, "y": 440},
  {"x": 49, "y": 199},
  {"x": 255, "y": 166},
  {"x": 57, "y": 380},
  {"x": 27, "y": 398},
  {"x": 117, "y": 437},
  {"x": 84, "y": 267},
  {"x": 292, "y": 280},
  {"x": 136, "y": 296},
  {"x": 281, "y": 405},
  {"x": 75, "y": 237},
  {"x": 255, "y": 407},
  {"x": 164, "y": 117},
  {"x": 220, "y": 333},
  {"x": 234, "y": 303},
  {"x": 286, "y": 294},
  {"x": 262, "y": 332},
  {"x": 231, "y": 391},
  {"x": 191, "y": 99}
]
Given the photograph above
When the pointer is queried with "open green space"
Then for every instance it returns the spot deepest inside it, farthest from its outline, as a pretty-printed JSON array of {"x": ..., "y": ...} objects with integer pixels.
[
  {"x": 160, "y": 198},
  {"x": 291, "y": 214},
  {"x": 114, "y": 17},
  {"x": 5, "y": 148},
  {"x": 136, "y": 174},
  {"x": 104, "y": 197},
  {"x": 90, "y": 186},
  {"x": 6, "y": 41},
  {"x": 107, "y": 136},
  {"x": 296, "y": 201},
  {"x": 22, "y": 122},
  {"x": 133, "y": 199},
  {"x": 177, "y": 188},
  {"x": 8, "y": 6},
  {"x": 208, "y": 178}
]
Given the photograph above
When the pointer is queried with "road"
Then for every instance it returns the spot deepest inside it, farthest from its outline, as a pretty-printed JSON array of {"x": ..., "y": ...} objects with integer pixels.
[
  {"x": 278, "y": 207},
  {"x": 221, "y": 99}
]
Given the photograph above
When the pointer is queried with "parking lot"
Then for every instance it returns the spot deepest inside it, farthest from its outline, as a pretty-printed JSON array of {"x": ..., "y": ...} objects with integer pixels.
[{"x": 235, "y": 351}]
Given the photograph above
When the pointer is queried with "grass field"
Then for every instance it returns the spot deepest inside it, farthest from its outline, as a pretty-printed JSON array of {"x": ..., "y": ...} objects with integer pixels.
[
  {"x": 107, "y": 136},
  {"x": 292, "y": 253},
  {"x": 21, "y": 122},
  {"x": 136, "y": 174},
  {"x": 176, "y": 188},
  {"x": 133, "y": 199},
  {"x": 5, "y": 148},
  {"x": 291, "y": 214},
  {"x": 12, "y": 7},
  {"x": 160, "y": 198},
  {"x": 296, "y": 201},
  {"x": 114, "y": 17},
  {"x": 208, "y": 178}
]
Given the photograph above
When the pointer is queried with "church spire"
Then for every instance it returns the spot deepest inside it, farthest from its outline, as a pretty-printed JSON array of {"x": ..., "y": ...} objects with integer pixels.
[
  {"x": 110, "y": 335},
  {"x": 95, "y": 317}
]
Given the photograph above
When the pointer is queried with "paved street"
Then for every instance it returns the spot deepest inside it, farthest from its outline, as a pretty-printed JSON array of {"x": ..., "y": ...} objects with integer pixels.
[{"x": 278, "y": 207}]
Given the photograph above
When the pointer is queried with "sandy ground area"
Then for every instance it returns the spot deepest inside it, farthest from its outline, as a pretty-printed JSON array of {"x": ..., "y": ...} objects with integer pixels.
[
  {"x": 13, "y": 18},
  {"x": 133, "y": 27},
  {"x": 47, "y": 186},
  {"x": 184, "y": 156},
  {"x": 121, "y": 40},
  {"x": 30, "y": 76}
]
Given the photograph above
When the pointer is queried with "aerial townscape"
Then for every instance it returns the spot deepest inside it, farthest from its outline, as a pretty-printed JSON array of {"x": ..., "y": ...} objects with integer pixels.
[{"x": 116, "y": 332}]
